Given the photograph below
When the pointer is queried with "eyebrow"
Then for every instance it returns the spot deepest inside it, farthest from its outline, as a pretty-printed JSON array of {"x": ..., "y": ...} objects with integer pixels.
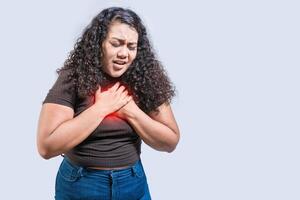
[{"x": 122, "y": 40}]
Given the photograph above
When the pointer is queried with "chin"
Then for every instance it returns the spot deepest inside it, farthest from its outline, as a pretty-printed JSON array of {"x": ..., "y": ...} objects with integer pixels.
[{"x": 116, "y": 74}]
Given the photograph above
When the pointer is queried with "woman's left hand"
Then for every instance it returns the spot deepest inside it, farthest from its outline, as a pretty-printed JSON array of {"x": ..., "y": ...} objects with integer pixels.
[{"x": 127, "y": 110}]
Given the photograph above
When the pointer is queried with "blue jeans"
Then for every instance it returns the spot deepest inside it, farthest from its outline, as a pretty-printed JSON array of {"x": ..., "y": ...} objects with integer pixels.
[{"x": 76, "y": 182}]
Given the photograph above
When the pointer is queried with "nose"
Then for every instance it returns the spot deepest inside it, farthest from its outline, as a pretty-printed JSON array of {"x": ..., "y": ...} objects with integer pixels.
[{"x": 122, "y": 53}]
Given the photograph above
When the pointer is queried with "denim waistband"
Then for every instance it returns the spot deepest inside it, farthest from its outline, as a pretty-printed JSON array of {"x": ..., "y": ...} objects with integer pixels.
[{"x": 81, "y": 170}]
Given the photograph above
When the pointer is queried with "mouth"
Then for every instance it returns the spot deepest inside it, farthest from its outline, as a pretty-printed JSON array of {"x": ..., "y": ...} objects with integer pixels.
[{"x": 119, "y": 62}]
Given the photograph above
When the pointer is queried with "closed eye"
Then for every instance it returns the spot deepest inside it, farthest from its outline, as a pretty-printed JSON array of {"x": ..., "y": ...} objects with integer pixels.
[
  {"x": 132, "y": 48},
  {"x": 115, "y": 44}
]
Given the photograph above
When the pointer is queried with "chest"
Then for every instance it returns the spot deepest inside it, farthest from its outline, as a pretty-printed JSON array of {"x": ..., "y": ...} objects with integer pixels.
[{"x": 110, "y": 126}]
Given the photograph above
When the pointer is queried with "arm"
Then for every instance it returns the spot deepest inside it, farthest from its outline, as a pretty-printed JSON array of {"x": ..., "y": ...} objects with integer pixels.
[
  {"x": 160, "y": 131},
  {"x": 59, "y": 132}
]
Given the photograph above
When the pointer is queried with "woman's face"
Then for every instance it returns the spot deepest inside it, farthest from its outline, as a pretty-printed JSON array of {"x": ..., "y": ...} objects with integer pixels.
[{"x": 119, "y": 49}]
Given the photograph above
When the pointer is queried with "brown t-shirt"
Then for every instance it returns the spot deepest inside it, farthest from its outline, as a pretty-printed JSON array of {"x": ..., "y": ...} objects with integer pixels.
[{"x": 114, "y": 143}]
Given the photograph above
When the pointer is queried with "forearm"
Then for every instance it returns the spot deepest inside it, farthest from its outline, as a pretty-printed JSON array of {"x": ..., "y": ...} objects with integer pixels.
[
  {"x": 74, "y": 131},
  {"x": 153, "y": 133}
]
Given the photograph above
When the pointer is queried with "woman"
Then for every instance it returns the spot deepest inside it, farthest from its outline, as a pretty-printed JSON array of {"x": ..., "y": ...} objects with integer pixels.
[{"x": 111, "y": 94}]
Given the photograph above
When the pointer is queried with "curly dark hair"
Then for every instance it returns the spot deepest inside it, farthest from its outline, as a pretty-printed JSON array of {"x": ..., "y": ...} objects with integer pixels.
[{"x": 146, "y": 79}]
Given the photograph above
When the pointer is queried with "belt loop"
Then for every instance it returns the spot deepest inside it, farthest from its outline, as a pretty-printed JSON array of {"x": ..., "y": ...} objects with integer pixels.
[
  {"x": 80, "y": 171},
  {"x": 133, "y": 169}
]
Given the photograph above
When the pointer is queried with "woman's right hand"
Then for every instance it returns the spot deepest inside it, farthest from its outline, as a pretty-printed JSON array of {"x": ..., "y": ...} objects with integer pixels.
[{"x": 112, "y": 99}]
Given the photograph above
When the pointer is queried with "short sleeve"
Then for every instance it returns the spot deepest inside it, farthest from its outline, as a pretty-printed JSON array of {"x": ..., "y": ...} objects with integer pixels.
[{"x": 62, "y": 92}]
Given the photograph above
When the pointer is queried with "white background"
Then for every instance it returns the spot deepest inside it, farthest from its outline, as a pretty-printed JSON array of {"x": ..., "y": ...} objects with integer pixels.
[{"x": 235, "y": 65}]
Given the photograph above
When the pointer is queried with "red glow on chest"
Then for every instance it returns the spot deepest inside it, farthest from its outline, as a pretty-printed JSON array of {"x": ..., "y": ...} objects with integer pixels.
[{"x": 113, "y": 117}]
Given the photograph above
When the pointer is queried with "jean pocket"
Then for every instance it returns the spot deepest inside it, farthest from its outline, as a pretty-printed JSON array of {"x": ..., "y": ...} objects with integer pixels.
[{"x": 69, "y": 172}]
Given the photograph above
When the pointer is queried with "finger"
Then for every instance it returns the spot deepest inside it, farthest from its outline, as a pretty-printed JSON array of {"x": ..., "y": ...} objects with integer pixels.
[
  {"x": 127, "y": 99},
  {"x": 98, "y": 89},
  {"x": 120, "y": 90},
  {"x": 115, "y": 87},
  {"x": 124, "y": 94}
]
